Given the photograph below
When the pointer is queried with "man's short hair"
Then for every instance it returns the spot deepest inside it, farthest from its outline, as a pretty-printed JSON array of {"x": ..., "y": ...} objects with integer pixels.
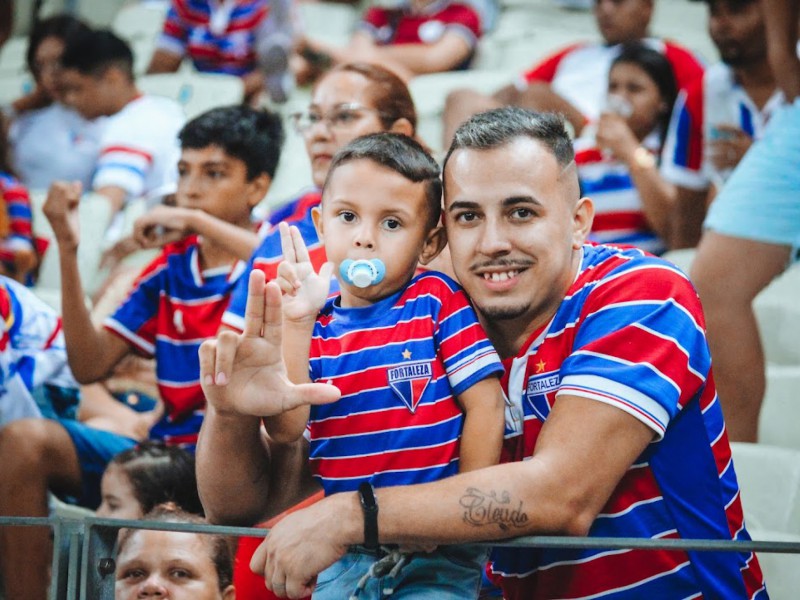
[
  {"x": 93, "y": 52},
  {"x": 253, "y": 136},
  {"x": 403, "y": 155},
  {"x": 63, "y": 27},
  {"x": 495, "y": 128}
]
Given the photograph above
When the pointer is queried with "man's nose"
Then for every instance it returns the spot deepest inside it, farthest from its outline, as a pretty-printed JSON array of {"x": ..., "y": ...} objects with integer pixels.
[{"x": 493, "y": 239}]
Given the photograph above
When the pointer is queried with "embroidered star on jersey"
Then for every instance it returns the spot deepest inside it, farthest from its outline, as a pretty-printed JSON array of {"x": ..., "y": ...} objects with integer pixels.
[
  {"x": 407, "y": 354},
  {"x": 540, "y": 366}
]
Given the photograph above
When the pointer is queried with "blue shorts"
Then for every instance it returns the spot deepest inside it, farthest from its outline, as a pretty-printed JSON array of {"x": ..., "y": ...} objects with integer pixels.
[
  {"x": 95, "y": 450},
  {"x": 761, "y": 200},
  {"x": 448, "y": 573}
]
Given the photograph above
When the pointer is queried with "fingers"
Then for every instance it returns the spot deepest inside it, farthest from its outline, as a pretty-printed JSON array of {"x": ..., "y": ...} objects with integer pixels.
[
  {"x": 272, "y": 322},
  {"x": 326, "y": 271},
  {"x": 300, "y": 249},
  {"x": 310, "y": 393},
  {"x": 254, "y": 310},
  {"x": 287, "y": 278},
  {"x": 217, "y": 357},
  {"x": 287, "y": 247}
]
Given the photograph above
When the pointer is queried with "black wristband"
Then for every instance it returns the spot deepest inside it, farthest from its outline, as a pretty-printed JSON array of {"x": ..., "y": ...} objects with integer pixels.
[{"x": 369, "y": 506}]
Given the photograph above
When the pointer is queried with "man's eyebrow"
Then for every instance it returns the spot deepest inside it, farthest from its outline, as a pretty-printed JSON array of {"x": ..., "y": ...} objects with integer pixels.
[{"x": 510, "y": 201}]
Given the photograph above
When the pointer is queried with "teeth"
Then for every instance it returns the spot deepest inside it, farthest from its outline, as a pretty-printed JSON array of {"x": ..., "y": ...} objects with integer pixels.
[{"x": 504, "y": 276}]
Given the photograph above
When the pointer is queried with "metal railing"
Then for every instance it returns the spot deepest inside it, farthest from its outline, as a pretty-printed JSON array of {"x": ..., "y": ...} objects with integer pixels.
[{"x": 84, "y": 549}]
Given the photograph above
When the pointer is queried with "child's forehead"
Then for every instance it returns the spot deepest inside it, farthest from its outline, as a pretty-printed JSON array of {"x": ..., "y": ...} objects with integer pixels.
[
  {"x": 211, "y": 153},
  {"x": 365, "y": 181}
]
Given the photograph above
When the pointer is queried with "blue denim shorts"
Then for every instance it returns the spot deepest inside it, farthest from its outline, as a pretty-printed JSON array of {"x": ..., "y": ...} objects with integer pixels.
[
  {"x": 448, "y": 573},
  {"x": 95, "y": 450},
  {"x": 761, "y": 200}
]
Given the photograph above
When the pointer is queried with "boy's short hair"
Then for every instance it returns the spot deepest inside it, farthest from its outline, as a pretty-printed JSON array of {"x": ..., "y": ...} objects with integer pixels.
[
  {"x": 253, "y": 136},
  {"x": 92, "y": 52},
  {"x": 402, "y": 154}
]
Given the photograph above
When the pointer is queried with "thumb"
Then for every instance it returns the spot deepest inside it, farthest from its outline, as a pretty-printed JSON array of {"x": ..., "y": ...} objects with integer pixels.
[
  {"x": 326, "y": 271},
  {"x": 311, "y": 394}
]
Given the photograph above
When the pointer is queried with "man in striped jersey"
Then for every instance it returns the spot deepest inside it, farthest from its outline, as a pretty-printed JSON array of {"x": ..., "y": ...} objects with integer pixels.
[{"x": 605, "y": 354}]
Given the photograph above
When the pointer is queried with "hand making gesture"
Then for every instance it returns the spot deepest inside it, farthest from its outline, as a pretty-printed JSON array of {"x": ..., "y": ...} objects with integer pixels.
[
  {"x": 305, "y": 290},
  {"x": 244, "y": 373}
]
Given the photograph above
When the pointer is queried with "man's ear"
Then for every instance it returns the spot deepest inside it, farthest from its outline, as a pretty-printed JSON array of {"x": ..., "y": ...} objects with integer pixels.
[
  {"x": 258, "y": 188},
  {"x": 582, "y": 218},
  {"x": 435, "y": 242},
  {"x": 402, "y": 126},
  {"x": 316, "y": 217},
  {"x": 229, "y": 593}
]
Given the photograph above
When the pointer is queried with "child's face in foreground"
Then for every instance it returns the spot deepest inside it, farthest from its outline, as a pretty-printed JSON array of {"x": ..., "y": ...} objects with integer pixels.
[
  {"x": 369, "y": 211},
  {"x": 119, "y": 500},
  {"x": 211, "y": 180}
]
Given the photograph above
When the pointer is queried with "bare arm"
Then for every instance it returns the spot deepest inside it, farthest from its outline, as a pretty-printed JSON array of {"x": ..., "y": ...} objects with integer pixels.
[
  {"x": 561, "y": 490},
  {"x": 539, "y": 96},
  {"x": 690, "y": 210},
  {"x": 241, "y": 476},
  {"x": 304, "y": 292},
  {"x": 179, "y": 222},
  {"x": 447, "y": 53},
  {"x": 484, "y": 423},
  {"x": 781, "y": 20},
  {"x": 92, "y": 352},
  {"x": 164, "y": 62}
]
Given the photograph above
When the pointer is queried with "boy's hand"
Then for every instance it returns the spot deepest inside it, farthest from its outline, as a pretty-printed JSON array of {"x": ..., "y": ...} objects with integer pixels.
[
  {"x": 305, "y": 290},
  {"x": 245, "y": 374},
  {"x": 162, "y": 225},
  {"x": 61, "y": 209}
]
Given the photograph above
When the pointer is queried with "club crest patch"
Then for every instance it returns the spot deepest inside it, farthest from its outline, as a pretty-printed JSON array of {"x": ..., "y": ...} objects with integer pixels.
[
  {"x": 540, "y": 390},
  {"x": 409, "y": 380}
]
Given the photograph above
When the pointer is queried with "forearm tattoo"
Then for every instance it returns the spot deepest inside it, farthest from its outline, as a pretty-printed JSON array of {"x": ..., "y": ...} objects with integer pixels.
[{"x": 492, "y": 508}]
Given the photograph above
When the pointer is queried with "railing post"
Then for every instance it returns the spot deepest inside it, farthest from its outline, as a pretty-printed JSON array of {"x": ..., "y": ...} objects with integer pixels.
[{"x": 97, "y": 564}]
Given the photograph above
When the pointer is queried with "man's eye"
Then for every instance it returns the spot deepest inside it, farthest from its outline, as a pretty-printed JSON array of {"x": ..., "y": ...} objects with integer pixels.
[
  {"x": 133, "y": 574},
  {"x": 522, "y": 213},
  {"x": 466, "y": 217}
]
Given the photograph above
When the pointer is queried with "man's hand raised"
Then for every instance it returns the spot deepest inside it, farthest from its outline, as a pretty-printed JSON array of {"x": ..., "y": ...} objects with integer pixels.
[{"x": 245, "y": 373}]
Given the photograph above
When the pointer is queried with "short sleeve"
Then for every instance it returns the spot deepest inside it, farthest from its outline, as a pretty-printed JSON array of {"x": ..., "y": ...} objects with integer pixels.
[
  {"x": 682, "y": 155},
  {"x": 136, "y": 320},
  {"x": 174, "y": 34},
  {"x": 373, "y": 20},
  {"x": 545, "y": 71},
  {"x": 467, "y": 354},
  {"x": 641, "y": 346}
]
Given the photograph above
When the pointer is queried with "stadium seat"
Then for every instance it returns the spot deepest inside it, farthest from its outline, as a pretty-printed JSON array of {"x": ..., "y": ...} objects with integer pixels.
[
  {"x": 196, "y": 92},
  {"x": 327, "y": 22},
  {"x": 769, "y": 479},
  {"x": 12, "y": 56},
  {"x": 779, "y": 423},
  {"x": 14, "y": 85},
  {"x": 142, "y": 20}
]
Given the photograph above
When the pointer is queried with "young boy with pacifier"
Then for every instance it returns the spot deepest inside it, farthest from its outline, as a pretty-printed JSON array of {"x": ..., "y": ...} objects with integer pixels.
[{"x": 419, "y": 380}]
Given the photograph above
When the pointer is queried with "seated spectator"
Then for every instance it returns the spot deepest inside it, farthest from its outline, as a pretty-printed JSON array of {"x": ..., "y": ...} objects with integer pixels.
[
  {"x": 410, "y": 38},
  {"x": 35, "y": 379},
  {"x": 228, "y": 158},
  {"x": 18, "y": 255},
  {"x": 617, "y": 159},
  {"x": 50, "y": 140},
  {"x": 248, "y": 38},
  {"x": 149, "y": 474},
  {"x": 718, "y": 117},
  {"x": 173, "y": 564},
  {"x": 139, "y": 146},
  {"x": 349, "y": 101},
  {"x": 573, "y": 80}
]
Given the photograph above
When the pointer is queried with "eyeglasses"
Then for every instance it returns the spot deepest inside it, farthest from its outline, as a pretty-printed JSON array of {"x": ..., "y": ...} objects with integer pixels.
[{"x": 340, "y": 118}]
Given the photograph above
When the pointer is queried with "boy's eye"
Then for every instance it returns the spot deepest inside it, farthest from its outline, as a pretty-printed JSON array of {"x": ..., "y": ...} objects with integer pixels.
[
  {"x": 391, "y": 224},
  {"x": 180, "y": 573},
  {"x": 133, "y": 574},
  {"x": 215, "y": 174},
  {"x": 347, "y": 216}
]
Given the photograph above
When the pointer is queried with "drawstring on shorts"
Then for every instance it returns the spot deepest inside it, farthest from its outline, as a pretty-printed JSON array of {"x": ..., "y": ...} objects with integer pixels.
[{"x": 388, "y": 566}]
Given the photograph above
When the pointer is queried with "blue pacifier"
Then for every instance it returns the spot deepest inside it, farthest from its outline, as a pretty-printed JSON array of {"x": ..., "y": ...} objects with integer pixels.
[{"x": 362, "y": 273}]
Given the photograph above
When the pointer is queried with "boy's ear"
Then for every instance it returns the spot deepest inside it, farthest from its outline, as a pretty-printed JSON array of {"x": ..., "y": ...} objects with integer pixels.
[
  {"x": 402, "y": 126},
  {"x": 435, "y": 242},
  {"x": 258, "y": 188},
  {"x": 316, "y": 217}
]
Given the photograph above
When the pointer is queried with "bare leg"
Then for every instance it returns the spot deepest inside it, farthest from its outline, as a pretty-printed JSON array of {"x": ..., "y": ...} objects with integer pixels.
[
  {"x": 459, "y": 106},
  {"x": 729, "y": 273},
  {"x": 36, "y": 454}
]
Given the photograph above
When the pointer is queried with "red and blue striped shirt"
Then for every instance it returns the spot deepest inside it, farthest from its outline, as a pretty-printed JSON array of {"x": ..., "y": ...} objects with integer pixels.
[
  {"x": 630, "y": 333},
  {"x": 399, "y": 364},
  {"x": 173, "y": 308},
  {"x": 18, "y": 208}
]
